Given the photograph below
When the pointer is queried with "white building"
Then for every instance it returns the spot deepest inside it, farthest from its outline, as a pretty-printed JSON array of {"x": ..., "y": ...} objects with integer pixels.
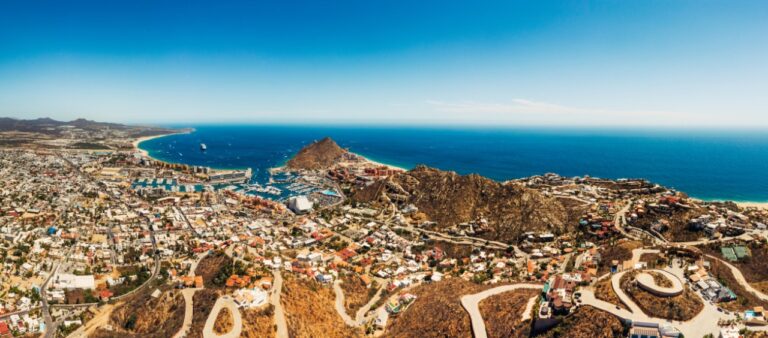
[
  {"x": 70, "y": 281},
  {"x": 300, "y": 204}
]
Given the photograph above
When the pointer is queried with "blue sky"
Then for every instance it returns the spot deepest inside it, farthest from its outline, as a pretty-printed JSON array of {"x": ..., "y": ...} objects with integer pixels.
[{"x": 564, "y": 63}]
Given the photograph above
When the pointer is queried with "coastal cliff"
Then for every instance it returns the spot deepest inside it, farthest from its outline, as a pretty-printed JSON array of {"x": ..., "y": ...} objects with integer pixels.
[
  {"x": 450, "y": 199},
  {"x": 321, "y": 154}
]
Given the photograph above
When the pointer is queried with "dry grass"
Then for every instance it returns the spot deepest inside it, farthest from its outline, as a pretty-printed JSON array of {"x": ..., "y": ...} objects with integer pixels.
[
  {"x": 144, "y": 316},
  {"x": 653, "y": 259},
  {"x": 259, "y": 323},
  {"x": 756, "y": 334},
  {"x": 745, "y": 299},
  {"x": 437, "y": 311},
  {"x": 356, "y": 295},
  {"x": 681, "y": 307},
  {"x": 210, "y": 266},
  {"x": 309, "y": 310},
  {"x": 224, "y": 321},
  {"x": 587, "y": 322},
  {"x": 678, "y": 223},
  {"x": 202, "y": 305},
  {"x": 604, "y": 291},
  {"x": 761, "y": 286},
  {"x": 660, "y": 279},
  {"x": 754, "y": 268},
  {"x": 502, "y": 313},
  {"x": 619, "y": 252}
]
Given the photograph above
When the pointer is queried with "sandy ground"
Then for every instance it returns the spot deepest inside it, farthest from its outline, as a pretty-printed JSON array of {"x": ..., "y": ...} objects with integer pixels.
[{"x": 759, "y": 205}]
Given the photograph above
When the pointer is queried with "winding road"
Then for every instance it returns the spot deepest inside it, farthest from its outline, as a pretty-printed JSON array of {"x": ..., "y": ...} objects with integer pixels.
[
  {"x": 740, "y": 278},
  {"x": 274, "y": 299},
  {"x": 705, "y": 322},
  {"x": 471, "y": 305},
  {"x": 188, "y": 312},
  {"x": 360, "y": 317},
  {"x": 237, "y": 328}
]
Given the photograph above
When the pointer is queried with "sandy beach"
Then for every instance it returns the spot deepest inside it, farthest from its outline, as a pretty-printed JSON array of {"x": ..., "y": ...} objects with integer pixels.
[
  {"x": 759, "y": 205},
  {"x": 369, "y": 161},
  {"x": 147, "y": 138},
  {"x": 379, "y": 164}
]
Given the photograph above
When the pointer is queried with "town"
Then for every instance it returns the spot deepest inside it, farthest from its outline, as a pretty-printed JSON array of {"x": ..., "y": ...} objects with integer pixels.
[{"x": 104, "y": 241}]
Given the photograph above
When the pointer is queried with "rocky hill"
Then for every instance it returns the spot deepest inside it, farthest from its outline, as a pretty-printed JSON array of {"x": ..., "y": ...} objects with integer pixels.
[
  {"x": 451, "y": 199},
  {"x": 321, "y": 154}
]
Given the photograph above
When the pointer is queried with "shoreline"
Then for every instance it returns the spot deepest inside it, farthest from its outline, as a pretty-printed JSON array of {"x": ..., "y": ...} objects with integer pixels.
[
  {"x": 758, "y": 205},
  {"x": 743, "y": 204},
  {"x": 381, "y": 164},
  {"x": 139, "y": 140},
  {"x": 369, "y": 161}
]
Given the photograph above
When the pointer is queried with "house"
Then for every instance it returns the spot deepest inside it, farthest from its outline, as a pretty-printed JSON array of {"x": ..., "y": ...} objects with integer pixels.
[
  {"x": 560, "y": 293},
  {"x": 324, "y": 278},
  {"x": 5, "y": 331},
  {"x": 105, "y": 295},
  {"x": 646, "y": 330},
  {"x": 238, "y": 281},
  {"x": 249, "y": 298}
]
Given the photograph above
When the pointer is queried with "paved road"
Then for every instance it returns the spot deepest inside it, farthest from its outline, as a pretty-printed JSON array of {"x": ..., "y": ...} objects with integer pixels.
[
  {"x": 745, "y": 237},
  {"x": 186, "y": 220},
  {"x": 620, "y": 223},
  {"x": 360, "y": 318},
  {"x": 465, "y": 240},
  {"x": 705, "y": 322},
  {"x": 637, "y": 253},
  {"x": 647, "y": 281},
  {"x": 340, "y": 304},
  {"x": 274, "y": 299},
  {"x": 188, "y": 312},
  {"x": 527, "y": 313},
  {"x": 100, "y": 320},
  {"x": 50, "y": 326},
  {"x": 20, "y": 313},
  {"x": 237, "y": 328},
  {"x": 740, "y": 278},
  {"x": 471, "y": 302}
]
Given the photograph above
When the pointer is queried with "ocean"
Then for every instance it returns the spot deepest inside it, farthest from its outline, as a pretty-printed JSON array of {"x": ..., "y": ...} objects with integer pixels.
[{"x": 710, "y": 165}]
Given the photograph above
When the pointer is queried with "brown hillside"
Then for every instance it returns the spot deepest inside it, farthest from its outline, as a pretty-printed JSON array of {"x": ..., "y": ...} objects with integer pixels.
[
  {"x": 321, "y": 154},
  {"x": 587, "y": 321},
  {"x": 503, "y": 313},
  {"x": 144, "y": 316},
  {"x": 309, "y": 311},
  {"x": 436, "y": 312},
  {"x": 450, "y": 199}
]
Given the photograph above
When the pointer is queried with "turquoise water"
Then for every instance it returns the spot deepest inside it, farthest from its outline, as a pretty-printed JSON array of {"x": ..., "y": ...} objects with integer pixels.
[{"x": 705, "y": 164}]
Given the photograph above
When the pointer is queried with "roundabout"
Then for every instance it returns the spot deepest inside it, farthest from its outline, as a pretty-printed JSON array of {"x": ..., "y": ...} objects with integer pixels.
[{"x": 647, "y": 281}]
